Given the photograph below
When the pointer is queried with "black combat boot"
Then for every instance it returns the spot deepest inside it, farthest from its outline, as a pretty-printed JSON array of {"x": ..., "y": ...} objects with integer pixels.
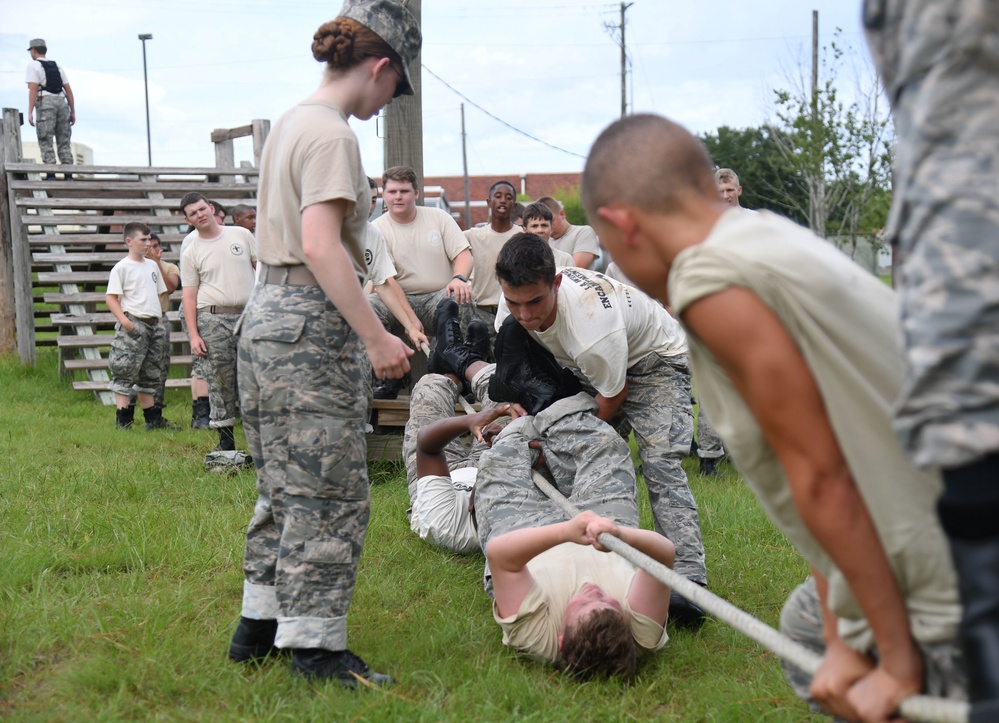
[
  {"x": 124, "y": 417},
  {"x": 227, "y": 442},
  {"x": 155, "y": 420},
  {"x": 340, "y": 665},
  {"x": 390, "y": 388},
  {"x": 253, "y": 640},
  {"x": 451, "y": 355},
  {"x": 201, "y": 413},
  {"x": 477, "y": 337}
]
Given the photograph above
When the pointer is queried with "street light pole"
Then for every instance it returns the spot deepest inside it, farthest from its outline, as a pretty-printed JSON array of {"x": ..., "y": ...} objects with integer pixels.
[{"x": 145, "y": 79}]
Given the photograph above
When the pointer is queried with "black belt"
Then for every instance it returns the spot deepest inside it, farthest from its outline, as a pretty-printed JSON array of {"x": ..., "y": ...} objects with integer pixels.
[
  {"x": 288, "y": 275},
  {"x": 487, "y": 307},
  {"x": 223, "y": 309},
  {"x": 145, "y": 319}
]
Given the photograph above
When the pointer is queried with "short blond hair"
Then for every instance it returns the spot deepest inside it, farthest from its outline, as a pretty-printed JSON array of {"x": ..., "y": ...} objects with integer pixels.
[{"x": 726, "y": 175}]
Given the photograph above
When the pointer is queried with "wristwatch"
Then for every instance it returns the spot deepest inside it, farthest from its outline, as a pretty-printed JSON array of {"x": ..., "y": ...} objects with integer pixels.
[{"x": 460, "y": 276}]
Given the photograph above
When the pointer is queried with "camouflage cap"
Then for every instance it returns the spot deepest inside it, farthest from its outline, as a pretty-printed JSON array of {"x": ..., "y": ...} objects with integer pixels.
[
  {"x": 394, "y": 24},
  {"x": 37, "y": 43}
]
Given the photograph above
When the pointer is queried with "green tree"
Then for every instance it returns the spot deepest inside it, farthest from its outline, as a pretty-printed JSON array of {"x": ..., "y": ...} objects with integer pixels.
[
  {"x": 768, "y": 180},
  {"x": 841, "y": 153}
]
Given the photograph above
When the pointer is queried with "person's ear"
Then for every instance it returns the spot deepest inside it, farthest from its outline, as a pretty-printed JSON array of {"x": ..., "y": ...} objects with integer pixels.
[{"x": 620, "y": 217}]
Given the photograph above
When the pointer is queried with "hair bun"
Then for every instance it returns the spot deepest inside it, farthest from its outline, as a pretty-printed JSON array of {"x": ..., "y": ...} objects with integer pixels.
[{"x": 333, "y": 43}]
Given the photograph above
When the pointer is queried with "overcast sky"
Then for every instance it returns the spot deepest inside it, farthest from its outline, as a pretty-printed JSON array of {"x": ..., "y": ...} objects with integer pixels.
[{"x": 549, "y": 68}]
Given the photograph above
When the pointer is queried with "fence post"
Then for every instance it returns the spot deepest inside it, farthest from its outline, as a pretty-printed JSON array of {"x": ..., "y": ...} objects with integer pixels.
[{"x": 15, "y": 244}]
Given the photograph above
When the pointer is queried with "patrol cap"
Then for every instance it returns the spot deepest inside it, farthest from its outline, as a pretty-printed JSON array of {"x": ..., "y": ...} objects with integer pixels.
[
  {"x": 37, "y": 43},
  {"x": 393, "y": 23}
]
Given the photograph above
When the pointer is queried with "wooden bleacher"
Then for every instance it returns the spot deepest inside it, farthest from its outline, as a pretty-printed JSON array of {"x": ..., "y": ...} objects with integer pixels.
[
  {"x": 65, "y": 234},
  {"x": 73, "y": 230}
]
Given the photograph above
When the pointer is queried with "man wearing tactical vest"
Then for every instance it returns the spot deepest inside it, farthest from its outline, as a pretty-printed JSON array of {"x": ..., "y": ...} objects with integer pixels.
[{"x": 50, "y": 94}]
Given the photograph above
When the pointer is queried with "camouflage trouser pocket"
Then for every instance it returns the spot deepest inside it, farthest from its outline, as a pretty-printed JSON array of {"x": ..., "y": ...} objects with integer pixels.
[{"x": 327, "y": 461}]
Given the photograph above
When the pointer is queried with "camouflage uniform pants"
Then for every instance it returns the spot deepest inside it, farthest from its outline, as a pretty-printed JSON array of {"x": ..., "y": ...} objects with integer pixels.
[
  {"x": 658, "y": 410},
  {"x": 801, "y": 620},
  {"x": 302, "y": 391},
  {"x": 709, "y": 444},
  {"x": 424, "y": 306},
  {"x": 134, "y": 360},
  {"x": 433, "y": 398},
  {"x": 159, "y": 396},
  {"x": 219, "y": 334},
  {"x": 588, "y": 460},
  {"x": 938, "y": 62},
  {"x": 199, "y": 364},
  {"x": 52, "y": 121}
]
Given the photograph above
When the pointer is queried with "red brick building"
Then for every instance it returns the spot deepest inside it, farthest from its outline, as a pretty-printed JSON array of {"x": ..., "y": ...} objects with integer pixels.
[{"x": 531, "y": 185}]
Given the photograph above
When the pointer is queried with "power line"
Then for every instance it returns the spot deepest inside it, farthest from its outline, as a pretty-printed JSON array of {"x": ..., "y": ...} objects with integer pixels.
[{"x": 497, "y": 118}]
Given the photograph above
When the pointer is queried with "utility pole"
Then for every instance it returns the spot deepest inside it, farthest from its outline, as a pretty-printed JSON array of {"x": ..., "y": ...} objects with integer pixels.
[
  {"x": 624, "y": 56},
  {"x": 404, "y": 120},
  {"x": 145, "y": 79},
  {"x": 464, "y": 163},
  {"x": 624, "y": 62}
]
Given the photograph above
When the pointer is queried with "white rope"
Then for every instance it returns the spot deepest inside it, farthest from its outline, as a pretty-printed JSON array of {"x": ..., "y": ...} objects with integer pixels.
[{"x": 919, "y": 708}]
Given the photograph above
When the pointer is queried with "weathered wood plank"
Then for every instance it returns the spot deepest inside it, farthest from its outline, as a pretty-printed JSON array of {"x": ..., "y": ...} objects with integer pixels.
[
  {"x": 82, "y": 341},
  {"x": 95, "y": 386},
  {"x": 72, "y": 277},
  {"x": 133, "y": 186},
  {"x": 102, "y": 363},
  {"x": 83, "y": 257},
  {"x": 114, "y": 203},
  {"x": 136, "y": 170},
  {"x": 95, "y": 318},
  {"x": 89, "y": 297},
  {"x": 96, "y": 239}
]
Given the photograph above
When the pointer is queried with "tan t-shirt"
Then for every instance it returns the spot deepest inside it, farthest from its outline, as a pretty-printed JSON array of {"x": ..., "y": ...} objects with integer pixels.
[
  {"x": 137, "y": 284},
  {"x": 165, "y": 296},
  {"x": 423, "y": 250},
  {"x": 221, "y": 268},
  {"x": 486, "y": 245},
  {"x": 602, "y": 328},
  {"x": 558, "y": 574},
  {"x": 578, "y": 238},
  {"x": 311, "y": 156},
  {"x": 843, "y": 321}
]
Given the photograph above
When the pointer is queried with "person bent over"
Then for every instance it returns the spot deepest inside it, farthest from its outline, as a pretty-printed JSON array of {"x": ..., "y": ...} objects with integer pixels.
[{"x": 799, "y": 379}]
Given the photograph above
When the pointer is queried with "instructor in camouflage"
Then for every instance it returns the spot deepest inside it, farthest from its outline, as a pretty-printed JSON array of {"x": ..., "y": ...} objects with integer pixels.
[
  {"x": 50, "y": 95},
  {"x": 304, "y": 335},
  {"x": 939, "y": 63}
]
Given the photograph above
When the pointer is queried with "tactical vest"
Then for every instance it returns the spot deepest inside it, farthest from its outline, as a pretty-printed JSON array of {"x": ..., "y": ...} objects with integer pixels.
[{"x": 53, "y": 78}]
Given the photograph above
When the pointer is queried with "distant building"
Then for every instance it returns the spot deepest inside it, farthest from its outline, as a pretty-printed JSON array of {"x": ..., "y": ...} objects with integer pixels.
[
  {"x": 83, "y": 155},
  {"x": 531, "y": 185}
]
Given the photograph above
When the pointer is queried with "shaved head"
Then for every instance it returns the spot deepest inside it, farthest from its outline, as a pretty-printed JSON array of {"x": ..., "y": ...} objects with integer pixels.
[{"x": 648, "y": 162}]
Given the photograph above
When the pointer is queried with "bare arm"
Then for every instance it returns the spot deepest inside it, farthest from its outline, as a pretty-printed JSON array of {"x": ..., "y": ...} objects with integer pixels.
[
  {"x": 397, "y": 303},
  {"x": 32, "y": 100},
  {"x": 327, "y": 259},
  {"x": 771, "y": 375},
  {"x": 72, "y": 103},
  {"x": 198, "y": 347},
  {"x": 607, "y": 406},
  {"x": 457, "y": 288},
  {"x": 583, "y": 259},
  {"x": 114, "y": 304},
  {"x": 434, "y": 437}
]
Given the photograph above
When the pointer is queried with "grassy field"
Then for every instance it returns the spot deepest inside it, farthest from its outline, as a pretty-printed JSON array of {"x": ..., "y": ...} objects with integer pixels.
[{"x": 121, "y": 586}]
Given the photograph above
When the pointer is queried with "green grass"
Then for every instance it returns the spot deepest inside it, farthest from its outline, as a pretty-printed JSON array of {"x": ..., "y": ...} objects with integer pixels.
[{"x": 121, "y": 586}]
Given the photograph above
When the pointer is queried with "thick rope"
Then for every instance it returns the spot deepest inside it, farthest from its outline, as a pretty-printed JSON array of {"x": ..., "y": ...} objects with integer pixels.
[{"x": 920, "y": 708}]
